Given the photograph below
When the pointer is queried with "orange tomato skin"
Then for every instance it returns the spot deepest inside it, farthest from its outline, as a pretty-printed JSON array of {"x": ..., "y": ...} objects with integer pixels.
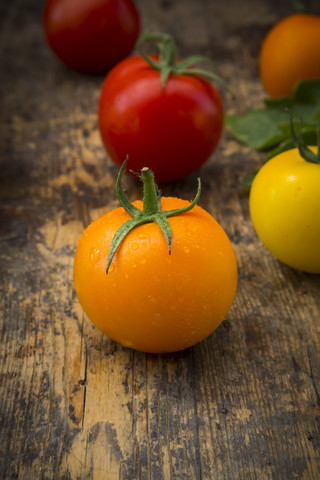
[
  {"x": 290, "y": 53},
  {"x": 150, "y": 300}
]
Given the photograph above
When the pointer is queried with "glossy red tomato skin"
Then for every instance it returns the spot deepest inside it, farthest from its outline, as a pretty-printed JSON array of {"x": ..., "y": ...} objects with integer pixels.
[
  {"x": 91, "y": 36},
  {"x": 173, "y": 129}
]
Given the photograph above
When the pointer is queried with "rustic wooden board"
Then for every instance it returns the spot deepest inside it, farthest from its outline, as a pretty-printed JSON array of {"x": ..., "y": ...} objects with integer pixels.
[{"x": 244, "y": 403}]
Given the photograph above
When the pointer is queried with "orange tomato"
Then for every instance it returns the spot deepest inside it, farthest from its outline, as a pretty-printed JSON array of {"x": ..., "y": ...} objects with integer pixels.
[
  {"x": 290, "y": 53},
  {"x": 150, "y": 300}
]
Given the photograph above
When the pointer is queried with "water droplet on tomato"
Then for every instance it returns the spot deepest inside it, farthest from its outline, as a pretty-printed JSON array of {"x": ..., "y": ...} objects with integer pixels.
[
  {"x": 143, "y": 236},
  {"x": 94, "y": 255},
  {"x": 111, "y": 268},
  {"x": 143, "y": 261},
  {"x": 156, "y": 318},
  {"x": 126, "y": 343},
  {"x": 186, "y": 249},
  {"x": 135, "y": 246}
]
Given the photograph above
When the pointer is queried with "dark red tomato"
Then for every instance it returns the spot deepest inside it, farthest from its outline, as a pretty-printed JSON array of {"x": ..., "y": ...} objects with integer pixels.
[
  {"x": 91, "y": 36},
  {"x": 173, "y": 129}
]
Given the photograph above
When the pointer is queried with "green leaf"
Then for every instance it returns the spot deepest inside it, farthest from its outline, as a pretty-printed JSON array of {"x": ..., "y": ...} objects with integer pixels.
[
  {"x": 268, "y": 128},
  {"x": 257, "y": 128}
]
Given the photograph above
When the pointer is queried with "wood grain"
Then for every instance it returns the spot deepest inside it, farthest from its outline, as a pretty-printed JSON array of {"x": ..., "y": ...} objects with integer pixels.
[{"x": 244, "y": 403}]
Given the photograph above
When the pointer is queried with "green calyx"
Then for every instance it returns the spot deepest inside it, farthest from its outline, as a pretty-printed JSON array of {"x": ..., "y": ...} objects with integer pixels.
[
  {"x": 168, "y": 64},
  {"x": 151, "y": 209},
  {"x": 305, "y": 152},
  {"x": 299, "y": 6}
]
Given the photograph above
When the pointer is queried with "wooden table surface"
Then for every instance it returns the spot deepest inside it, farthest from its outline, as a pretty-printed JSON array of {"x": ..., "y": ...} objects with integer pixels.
[{"x": 244, "y": 403}]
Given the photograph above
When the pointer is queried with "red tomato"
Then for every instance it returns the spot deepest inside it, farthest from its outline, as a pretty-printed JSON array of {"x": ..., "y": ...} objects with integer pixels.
[
  {"x": 91, "y": 36},
  {"x": 172, "y": 128}
]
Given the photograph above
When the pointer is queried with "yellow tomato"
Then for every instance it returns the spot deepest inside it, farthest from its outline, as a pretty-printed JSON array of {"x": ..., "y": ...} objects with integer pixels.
[
  {"x": 290, "y": 53},
  {"x": 285, "y": 209}
]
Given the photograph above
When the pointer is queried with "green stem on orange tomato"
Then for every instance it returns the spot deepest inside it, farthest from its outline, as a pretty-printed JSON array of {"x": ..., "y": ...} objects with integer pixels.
[
  {"x": 299, "y": 6},
  {"x": 150, "y": 198},
  {"x": 151, "y": 211}
]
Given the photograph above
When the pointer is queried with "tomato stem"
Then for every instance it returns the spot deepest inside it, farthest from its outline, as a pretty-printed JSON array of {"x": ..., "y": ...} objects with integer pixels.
[
  {"x": 151, "y": 211},
  {"x": 305, "y": 152},
  {"x": 168, "y": 63},
  {"x": 299, "y": 6},
  {"x": 151, "y": 198}
]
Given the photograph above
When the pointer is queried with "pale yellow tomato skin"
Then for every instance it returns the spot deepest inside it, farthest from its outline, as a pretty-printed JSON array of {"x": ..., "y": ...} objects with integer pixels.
[{"x": 284, "y": 207}]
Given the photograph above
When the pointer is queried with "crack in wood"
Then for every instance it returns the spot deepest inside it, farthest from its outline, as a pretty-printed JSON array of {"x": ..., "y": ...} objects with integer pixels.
[
  {"x": 312, "y": 377},
  {"x": 84, "y": 383}
]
